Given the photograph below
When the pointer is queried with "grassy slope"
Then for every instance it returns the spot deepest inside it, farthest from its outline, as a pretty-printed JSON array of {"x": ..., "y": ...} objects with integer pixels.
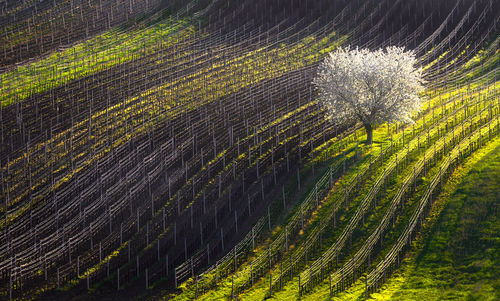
[
  {"x": 260, "y": 290},
  {"x": 444, "y": 264},
  {"x": 437, "y": 268},
  {"x": 457, "y": 257}
]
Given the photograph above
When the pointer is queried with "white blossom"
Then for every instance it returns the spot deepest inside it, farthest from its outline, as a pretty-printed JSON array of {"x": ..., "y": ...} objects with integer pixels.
[{"x": 370, "y": 86}]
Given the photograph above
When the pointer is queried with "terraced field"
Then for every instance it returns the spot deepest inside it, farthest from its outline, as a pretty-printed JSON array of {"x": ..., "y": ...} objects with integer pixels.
[{"x": 156, "y": 149}]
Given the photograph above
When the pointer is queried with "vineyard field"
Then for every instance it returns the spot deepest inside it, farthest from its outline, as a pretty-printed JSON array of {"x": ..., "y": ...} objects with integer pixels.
[{"x": 181, "y": 150}]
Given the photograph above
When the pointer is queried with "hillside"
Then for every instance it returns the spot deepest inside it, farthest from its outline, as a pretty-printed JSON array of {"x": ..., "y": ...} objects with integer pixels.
[
  {"x": 168, "y": 149},
  {"x": 455, "y": 257}
]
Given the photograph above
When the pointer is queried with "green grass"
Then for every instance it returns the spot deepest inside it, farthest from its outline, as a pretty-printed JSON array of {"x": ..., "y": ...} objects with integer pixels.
[
  {"x": 444, "y": 265},
  {"x": 458, "y": 259},
  {"x": 457, "y": 255}
]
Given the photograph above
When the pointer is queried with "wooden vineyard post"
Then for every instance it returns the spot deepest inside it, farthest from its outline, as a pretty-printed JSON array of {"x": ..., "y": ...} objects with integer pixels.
[
  {"x": 222, "y": 238},
  {"x": 232, "y": 287},
  {"x": 353, "y": 267},
  {"x": 281, "y": 275},
  {"x": 191, "y": 212},
  {"x": 216, "y": 272},
  {"x": 316, "y": 194},
  {"x": 251, "y": 272},
  {"x": 248, "y": 201},
  {"x": 166, "y": 265},
  {"x": 298, "y": 179},
  {"x": 269, "y": 218},
  {"x": 234, "y": 258},
  {"x": 269, "y": 258},
  {"x": 45, "y": 265},
  {"x": 287, "y": 163},
  {"x": 300, "y": 291},
  {"x": 201, "y": 235},
  {"x": 204, "y": 207},
  {"x": 215, "y": 216},
  {"x": 414, "y": 180},
  {"x": 302, "y": 216},
  {"x": 253, "y": 238},
  {"x": 236, "y": 220},
  {"x": 158, "y": 249},
  {"x": 320, "y": 242},
  {"x": 10, "y": 282},
  {"x": 346, "y": 195},
  {"x": 286, "y": 238},
  {"x": 330, "y": 280},
  {"x": 366, "y": 287},
  {"x": 310, "y": 276},
  {"x": 331, "y": 178},
  {"x": 283, "y": 194},
  {"x": 321, "y": 267},
  {"x": 270, "y": 284},
  {"x": 342, "y": 277},
  {"x": 334, "y": 219},
  {"x": 357, "y": 150},
  {"x": 312, "y": 161},
  {"x": 370, "y": 166},
  {"x": 343, "y": 163}
]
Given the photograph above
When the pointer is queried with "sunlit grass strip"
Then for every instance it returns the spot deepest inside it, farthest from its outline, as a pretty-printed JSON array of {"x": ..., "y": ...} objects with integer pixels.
[
  {"x": 359, "y": 257},
  {"x": 458, "y": 177},
  {"x": 376, "y": 274}
]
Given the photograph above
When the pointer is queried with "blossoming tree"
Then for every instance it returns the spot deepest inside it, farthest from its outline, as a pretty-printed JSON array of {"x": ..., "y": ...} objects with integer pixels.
[{"x": 370, "y": 86}]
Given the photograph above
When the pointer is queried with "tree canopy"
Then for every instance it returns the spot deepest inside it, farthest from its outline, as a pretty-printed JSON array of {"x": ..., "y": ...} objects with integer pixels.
[{"x": 370, "y": 86}]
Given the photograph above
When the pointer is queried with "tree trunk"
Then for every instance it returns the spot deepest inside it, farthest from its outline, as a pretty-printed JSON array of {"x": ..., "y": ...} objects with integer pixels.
[{"x": 369, "y": 133}]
